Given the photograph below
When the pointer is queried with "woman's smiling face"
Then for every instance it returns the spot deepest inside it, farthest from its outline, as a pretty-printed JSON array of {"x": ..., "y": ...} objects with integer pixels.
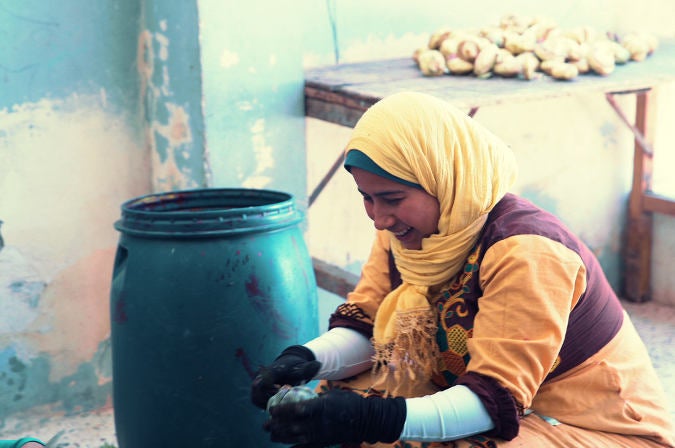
[{"x": 410, "y": 213}]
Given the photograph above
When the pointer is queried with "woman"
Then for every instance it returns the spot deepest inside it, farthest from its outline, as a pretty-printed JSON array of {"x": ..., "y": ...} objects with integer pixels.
[{"x": 479, "y": 319}]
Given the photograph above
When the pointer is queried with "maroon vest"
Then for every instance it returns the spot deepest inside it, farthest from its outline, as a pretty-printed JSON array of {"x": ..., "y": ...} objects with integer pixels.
[{"x": 594, "y": 321}]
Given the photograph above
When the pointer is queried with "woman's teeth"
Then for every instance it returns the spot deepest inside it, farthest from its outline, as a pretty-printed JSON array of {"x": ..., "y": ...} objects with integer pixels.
[{"x": 403, "y": 232}]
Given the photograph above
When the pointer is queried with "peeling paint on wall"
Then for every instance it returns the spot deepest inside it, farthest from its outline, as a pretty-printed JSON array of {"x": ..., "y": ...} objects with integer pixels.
[
  {"x": 53, "y": 49},
  {"x": 173, "y": 132},
  {"x": 20, "y": 286},
  {"x": 25, "y": 384},
  {"x": 144, "y": 59},
  {"x": 74, "y": 314},
  {"x": 62, "y": 162},
  {"x": 61, "y": 353},
  {"x": 166, "y": 139},
  {"x": 228, "y": 59},
  {"x": 65, "y": 167},
  {"x": 264, "y": 157},
  {"x": 252, "y": 87},
  {"x": 56, "y": 346},
  {"x": 169, "y": 144}
]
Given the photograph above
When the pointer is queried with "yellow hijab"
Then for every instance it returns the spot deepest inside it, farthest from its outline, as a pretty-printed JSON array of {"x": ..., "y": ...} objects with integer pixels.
[{"x": 426, "y": 141}]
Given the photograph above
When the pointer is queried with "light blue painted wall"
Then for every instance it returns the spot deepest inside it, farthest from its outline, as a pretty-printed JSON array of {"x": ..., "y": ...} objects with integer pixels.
[
  {"x": 51, "y": 49},
  {"x": 253, "y": 78},
  {"x": 62, "y": 65}
]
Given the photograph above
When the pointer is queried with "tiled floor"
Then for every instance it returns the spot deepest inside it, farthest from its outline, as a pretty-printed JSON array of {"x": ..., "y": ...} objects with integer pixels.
[{"x": 656, "y": 324}]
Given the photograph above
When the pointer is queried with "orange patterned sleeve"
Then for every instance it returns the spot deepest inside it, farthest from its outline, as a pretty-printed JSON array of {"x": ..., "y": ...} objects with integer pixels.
[{"x": 530, "y": 285}]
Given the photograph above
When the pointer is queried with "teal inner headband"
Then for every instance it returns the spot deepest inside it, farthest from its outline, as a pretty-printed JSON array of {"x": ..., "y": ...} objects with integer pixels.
[{"x": 358, "y": 159}]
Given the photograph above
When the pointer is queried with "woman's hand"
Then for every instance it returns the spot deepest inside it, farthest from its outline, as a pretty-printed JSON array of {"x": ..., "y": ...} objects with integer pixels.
[
  {"x": 337, "y": 416},
  {"x": 296, "y": 365}
]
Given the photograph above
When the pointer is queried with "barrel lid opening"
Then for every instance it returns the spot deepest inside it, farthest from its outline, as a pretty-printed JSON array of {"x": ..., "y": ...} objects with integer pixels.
[{"x": 208, "y": 211}]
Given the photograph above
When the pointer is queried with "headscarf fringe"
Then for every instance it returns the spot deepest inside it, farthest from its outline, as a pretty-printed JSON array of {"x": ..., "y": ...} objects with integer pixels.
[{"x": 409, "y": 359}]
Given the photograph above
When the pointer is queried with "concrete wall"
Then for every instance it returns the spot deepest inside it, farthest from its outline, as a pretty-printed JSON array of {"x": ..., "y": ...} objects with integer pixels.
[
  {"x": 104, "y": 101},
  {"x": 71, "y": 148},
  {"x": 253, "y": 80}
]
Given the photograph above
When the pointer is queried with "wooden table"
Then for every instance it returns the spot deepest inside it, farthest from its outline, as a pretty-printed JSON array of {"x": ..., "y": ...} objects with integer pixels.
[{"x": 341, "y": 93}]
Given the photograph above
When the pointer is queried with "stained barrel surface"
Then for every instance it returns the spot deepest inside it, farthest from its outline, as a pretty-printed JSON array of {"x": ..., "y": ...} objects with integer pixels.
[{"x": 207, "y": 286}]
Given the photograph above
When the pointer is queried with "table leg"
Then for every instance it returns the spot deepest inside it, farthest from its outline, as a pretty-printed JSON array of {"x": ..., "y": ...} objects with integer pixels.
[{"x": 637, "y": 249}]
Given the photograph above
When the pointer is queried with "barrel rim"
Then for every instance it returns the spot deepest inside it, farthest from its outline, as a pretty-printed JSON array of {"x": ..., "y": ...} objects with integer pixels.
[
  {"x": 152, "y": 197},
  {"x": 197, "y": 212}
]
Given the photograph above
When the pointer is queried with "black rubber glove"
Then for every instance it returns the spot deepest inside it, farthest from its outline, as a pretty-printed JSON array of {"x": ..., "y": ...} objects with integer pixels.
[
  {"x": 295, "y": 365},
  {"x": 337, "y": 416}
]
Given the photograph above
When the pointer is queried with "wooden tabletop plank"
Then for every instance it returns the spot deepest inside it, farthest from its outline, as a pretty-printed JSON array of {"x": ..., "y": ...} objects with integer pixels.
[{"x": 341, "y": 93}]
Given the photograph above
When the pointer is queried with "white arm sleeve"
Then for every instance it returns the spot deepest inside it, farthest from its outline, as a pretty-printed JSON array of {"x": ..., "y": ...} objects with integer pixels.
[
  {"x": 342, "y": 353},
  {"x": 450, "y": 414}
]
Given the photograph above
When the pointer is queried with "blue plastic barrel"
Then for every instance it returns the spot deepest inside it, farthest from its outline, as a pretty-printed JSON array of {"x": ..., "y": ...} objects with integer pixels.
[{"x": 207, "y": 285}]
